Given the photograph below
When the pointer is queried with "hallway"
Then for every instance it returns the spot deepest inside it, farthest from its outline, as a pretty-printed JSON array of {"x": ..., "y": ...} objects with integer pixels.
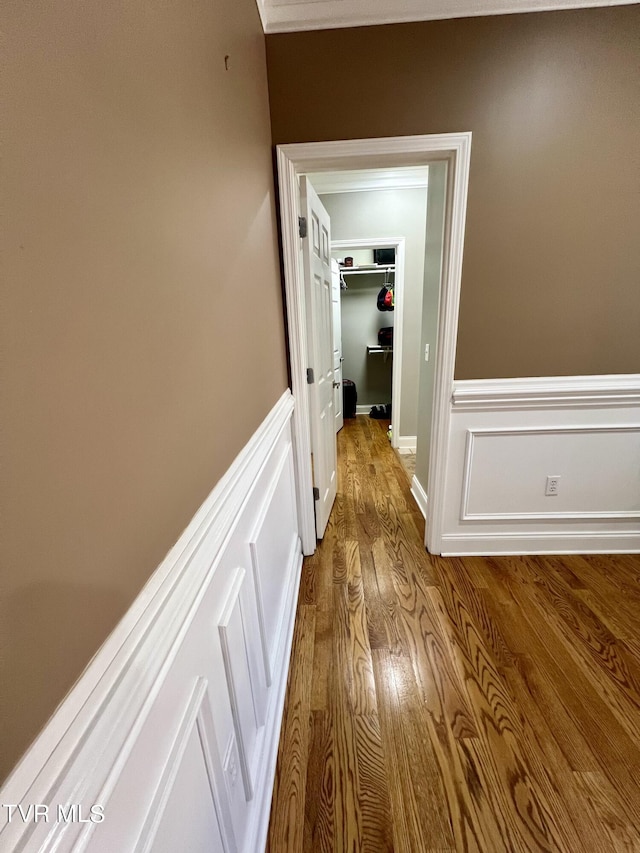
[{"x": 454, "y": 704}]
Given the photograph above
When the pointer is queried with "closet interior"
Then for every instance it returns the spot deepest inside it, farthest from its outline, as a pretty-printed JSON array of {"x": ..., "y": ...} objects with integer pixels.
[{"x": 367, "y": 279}]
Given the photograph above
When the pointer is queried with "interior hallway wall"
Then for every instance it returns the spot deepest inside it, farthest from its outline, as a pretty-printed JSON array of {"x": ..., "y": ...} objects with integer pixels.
[
  {"x": 143, "y": 339},
  {"x": 552, "y": 256},
  {"x": 392, "y": 213}
]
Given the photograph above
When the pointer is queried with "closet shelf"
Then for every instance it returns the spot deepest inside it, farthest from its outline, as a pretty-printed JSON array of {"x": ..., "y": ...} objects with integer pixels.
[
  {"x": 385, "y": 350},
  {"x": 367, "y": 271}
]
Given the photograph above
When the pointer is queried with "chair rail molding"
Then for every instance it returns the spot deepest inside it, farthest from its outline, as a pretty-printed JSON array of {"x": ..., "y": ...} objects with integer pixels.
[{"x": 547, "y": 391}]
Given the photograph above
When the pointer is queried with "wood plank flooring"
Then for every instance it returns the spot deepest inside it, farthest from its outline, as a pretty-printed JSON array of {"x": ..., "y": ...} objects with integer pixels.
[{"x": 454, "y": 704}]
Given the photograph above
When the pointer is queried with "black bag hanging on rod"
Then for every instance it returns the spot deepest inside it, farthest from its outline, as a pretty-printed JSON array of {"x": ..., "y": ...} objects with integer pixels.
[{"x": 385, "y": 297}]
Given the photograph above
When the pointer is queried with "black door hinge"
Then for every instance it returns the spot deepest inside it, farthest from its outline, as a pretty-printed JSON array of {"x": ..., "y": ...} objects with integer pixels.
[
  {"x": 302, "y": 226},
  {"x": 316, "y": 493},
  {"x": 310, "y": 376}
]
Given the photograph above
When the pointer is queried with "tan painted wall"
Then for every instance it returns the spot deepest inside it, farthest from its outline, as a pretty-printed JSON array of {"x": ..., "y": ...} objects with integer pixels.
[
  {"x": 143, "y": 337},
  {"x": 552, "y": 256}
]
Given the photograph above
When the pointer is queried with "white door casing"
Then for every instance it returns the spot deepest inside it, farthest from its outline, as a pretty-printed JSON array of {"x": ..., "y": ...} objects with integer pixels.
[
  {"x": 337, "y": 345},
  {"x": 317, "y": 284},
  {"x": 299, "y": 158}
]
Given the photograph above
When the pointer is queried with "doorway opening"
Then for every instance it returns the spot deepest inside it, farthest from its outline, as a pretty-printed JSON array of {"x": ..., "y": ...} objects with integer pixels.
[
  {"x": 371, "y": 332},
  {"x": 446, "y": 154}
]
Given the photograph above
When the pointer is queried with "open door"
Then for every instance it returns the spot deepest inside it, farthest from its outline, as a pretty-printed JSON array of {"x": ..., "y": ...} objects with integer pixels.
[
  {"x": 319, "y": 320},
  {"x": 337, "y": 345}
]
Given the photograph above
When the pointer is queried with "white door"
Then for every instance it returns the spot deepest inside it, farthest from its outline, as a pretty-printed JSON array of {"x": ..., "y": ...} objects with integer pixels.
[
  {"x": 337, "y": 345},
  {"x": 317, "y": 282}
]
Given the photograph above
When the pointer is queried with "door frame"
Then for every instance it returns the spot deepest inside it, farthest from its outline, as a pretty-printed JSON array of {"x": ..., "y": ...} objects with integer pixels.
[
  {"x": 300, "y": 158},
  {"x": 397, "y": 243}
]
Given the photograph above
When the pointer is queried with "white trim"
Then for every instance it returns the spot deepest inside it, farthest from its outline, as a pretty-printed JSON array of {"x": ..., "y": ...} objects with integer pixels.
[
  {"x": 296, "y": 159},
  {"x": 370, "y": 180},
  {"x": 588, "y": 423},
  {"x": 295, "y": 15},
  {"x": 232, "y": 602},
  {"x": 407, "y": 443},
  {"x": 268, "y": 655},
  {"x": 365, "y": 408},
  {"x": 397, "y": 243},
  {"x": 196, "y": 714},
  {"x": 465, "y": 515},
  {"x": 297, "y": 336},
  {"x": 264, "y": 10},
  {"x": 420, "y": 495},
  {"x": 259, "y": 827},
  {"x": 490, "y": 544},
  {"x": 547, "y": 392},
  {"x": 84, "y": 747}
]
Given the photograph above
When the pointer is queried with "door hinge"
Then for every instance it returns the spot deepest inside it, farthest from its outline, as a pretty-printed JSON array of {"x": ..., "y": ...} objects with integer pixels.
[
  {"x": 316, "y": 493},
  {"x": 302, "y": 226},
  {"x": 310, "y": 376}
]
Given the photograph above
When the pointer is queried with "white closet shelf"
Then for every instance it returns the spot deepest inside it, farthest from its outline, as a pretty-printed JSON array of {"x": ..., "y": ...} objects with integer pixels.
[
  {"x": 367, "y": 270},
  {"x": 385, "y": 350}
]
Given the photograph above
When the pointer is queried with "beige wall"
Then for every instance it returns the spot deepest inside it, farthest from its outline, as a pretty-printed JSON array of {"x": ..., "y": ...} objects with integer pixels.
[
  {"x": 143, "y": 337},
  {"x": 387, "y": 213},
  {"x": 552, "y": 256}
]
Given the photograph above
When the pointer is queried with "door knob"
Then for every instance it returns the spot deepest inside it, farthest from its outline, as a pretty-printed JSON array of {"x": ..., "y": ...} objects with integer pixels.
[{"x": 336, "y": 384}]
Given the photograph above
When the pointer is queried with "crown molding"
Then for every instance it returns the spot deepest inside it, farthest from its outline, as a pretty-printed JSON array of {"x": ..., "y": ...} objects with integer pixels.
[
  {"x": 365, "y": 180},
  {"x": 281, "y": 16}
]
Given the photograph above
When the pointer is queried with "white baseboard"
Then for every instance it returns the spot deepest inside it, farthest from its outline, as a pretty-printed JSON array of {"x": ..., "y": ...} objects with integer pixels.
[
  {"x": 181, "y": 687},
  {"x": 365, "y": 408},
  {"x": 494, "y": 544},
  {"x": 407, "y": 443},
  {"x": 420, "y": 495},
  {"x": 507, "y": 436}
]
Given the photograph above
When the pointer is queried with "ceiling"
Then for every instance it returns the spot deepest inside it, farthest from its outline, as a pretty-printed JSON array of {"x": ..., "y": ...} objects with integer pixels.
[{"x": 280, "y": 16}]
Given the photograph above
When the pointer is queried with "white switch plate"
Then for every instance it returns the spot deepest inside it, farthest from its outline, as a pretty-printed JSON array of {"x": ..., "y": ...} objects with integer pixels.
[{"x": 426, "y": 352}]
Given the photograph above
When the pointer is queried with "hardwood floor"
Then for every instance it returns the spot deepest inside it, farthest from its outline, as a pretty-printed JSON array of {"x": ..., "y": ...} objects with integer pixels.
[{"x": 454, "y": 704}]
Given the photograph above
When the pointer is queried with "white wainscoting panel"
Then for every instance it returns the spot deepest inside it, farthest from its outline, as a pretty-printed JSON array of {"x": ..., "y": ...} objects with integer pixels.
[
  {"x": 191, "y": 793},
  {"x": 605, "y": 488},
  {"x": 173, "y": 727},
  {"x": 271, "y": 547},
  {"x": 235, "y": 652},
  {"x": 191, "y": 812},
  {"x": 508, "y": 436}
]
